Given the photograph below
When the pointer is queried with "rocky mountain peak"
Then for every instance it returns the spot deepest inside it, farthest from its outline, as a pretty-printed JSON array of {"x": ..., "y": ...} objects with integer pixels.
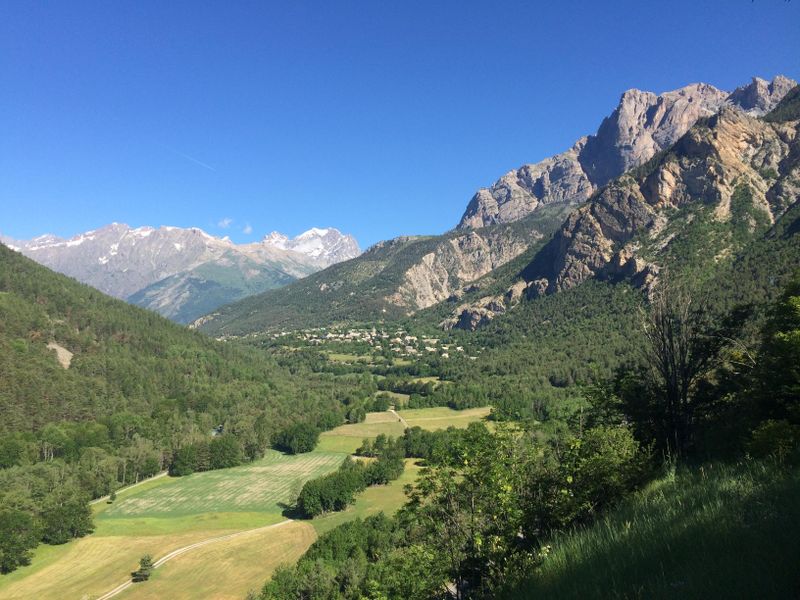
[
  {"x": 276, "y": 239},
  {"x": 761, "y": 96},
  {"x": 641, "y": 125},
  {"x": 327, "y": 245}
]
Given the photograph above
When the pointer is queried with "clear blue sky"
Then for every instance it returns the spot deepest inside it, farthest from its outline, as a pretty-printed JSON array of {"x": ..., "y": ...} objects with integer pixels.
[{"x": 380, "y": 118}]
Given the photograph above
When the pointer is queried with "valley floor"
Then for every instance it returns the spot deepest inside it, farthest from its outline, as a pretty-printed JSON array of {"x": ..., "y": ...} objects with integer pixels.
[{"x": 166, "y": 514}]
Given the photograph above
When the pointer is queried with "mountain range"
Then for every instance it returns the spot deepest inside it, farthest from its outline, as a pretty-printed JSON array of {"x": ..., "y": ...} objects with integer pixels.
[
  {"x": 642, "y": 125},
  {"x": 185, "y": 273},
  {"x": 527, "y": 234},
  {"x": 540, "y": 228}
]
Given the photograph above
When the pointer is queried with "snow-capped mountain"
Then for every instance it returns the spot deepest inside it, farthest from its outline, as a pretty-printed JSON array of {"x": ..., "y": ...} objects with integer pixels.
[
  {"x": 184, "y": 272},
  {"x": 327, "y": 245}
]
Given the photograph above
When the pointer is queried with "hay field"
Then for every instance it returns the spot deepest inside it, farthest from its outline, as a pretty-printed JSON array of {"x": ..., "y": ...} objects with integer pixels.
[
  {"x": 164, "y": 515},
  {"x": 442, "y": 417},
  {"x": 226, "y": 570},
  {"x": 258, "y": 487}
]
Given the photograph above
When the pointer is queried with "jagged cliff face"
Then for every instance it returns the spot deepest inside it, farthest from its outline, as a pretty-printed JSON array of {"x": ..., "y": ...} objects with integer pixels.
[
  {"x": 455, "y": 262},
  {"x": 642, "y": 125},
  {"x": 726, "y": 181},
  {"x": 761, "y": 96},
  {"x": 733, "y": 169}
]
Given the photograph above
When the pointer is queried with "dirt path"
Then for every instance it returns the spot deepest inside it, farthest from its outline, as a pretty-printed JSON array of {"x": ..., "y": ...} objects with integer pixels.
[
  {"x": 129, "y": 487},
  {"x": 176, "y": 553},
  {"x": 399, "y": 418}
]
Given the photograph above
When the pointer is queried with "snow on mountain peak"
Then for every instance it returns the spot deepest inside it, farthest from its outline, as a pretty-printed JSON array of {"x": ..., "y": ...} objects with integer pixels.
[
  {"x": 316, "y": 232},
  {"x": 327, "y": 245}
]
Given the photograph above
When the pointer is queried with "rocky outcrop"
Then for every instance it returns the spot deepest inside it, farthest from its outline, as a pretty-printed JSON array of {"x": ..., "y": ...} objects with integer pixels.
[
  {"x": 761, "y": 96},
  {"x": 456, "y": 261},
  {"x": 706, "y": 166},
  {"x": 642, "y": 125},
  {"x": 472, "y": 315}
]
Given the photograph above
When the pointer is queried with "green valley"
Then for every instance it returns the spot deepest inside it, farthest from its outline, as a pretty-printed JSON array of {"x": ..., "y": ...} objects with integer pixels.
[{"x": 567, "y": 365}]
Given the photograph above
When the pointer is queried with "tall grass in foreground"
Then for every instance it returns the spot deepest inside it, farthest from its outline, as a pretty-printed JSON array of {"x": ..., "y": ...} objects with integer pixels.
[{"x": 722, "y": 531}]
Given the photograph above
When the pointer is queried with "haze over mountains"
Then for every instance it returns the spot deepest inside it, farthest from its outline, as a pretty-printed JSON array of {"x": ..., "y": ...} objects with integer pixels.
[{"x": 185, "y": 273}]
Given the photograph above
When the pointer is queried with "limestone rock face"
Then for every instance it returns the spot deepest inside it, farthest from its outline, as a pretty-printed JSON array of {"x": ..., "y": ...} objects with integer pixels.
[
  {"x": 704, "y": 166},
  {"x": 464, "y": 258},
  {"x": 642, "y": 125},
  {"x": 521, "y": 191},
  {"x": 626, "y": 230}
]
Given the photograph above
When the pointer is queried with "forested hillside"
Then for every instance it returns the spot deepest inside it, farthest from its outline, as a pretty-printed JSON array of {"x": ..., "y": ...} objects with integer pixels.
[
  {"x": 672, "y": 471},
  {"x": 96, "y": 394}
]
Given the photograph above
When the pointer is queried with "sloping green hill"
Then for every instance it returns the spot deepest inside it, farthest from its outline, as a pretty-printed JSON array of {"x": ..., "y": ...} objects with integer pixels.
[
  {"x": 97, "y": 394},
  {"x": 721, "y": 531},
  {"x": 126, "y": 360},
  {"x": 186, "y": 296}
]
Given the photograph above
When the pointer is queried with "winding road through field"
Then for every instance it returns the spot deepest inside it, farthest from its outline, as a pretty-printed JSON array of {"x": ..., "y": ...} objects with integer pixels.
[
  {"x": 180, "y": 551},
  {"x": 401, "y": 419}
]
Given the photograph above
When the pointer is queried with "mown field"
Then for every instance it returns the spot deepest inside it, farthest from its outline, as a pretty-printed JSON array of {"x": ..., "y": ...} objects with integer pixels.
[
  {"x": 443, "y": 417},
  {"x": 347, "y": 438},
  {"x": 168, "y": 513},
  {"x": 226, "y": 570},
  {"x": 259, "y": 487}
]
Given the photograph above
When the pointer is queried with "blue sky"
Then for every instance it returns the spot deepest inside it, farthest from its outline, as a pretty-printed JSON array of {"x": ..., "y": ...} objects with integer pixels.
[{"x": 379, "y": 118}]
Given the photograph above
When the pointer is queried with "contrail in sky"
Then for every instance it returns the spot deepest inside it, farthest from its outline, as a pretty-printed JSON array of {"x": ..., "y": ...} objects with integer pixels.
[{"x": 191, "y": 158}]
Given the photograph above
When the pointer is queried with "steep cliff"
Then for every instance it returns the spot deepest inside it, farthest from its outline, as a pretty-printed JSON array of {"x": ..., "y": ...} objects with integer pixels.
[{"x": 642, "y": 125}]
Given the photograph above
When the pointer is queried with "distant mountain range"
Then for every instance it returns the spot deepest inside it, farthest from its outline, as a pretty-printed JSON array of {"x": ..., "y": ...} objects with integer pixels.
[
  {"x": 185, "y": 273},
  {"x": 498, "y": 254}
]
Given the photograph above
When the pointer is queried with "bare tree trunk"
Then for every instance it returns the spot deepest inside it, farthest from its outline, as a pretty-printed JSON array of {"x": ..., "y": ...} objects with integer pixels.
[{"x": 679, "y": 353}]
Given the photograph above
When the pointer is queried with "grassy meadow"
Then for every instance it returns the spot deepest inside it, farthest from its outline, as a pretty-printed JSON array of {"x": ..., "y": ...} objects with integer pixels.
[
  {"x": 227, "y": 570},
  {"x": 168, "y": 513},
  {"x": 259, "y": 487},
  {"x": 713, "y": 532},
  {"x": 347, "y": 438},
  {"x": 443, "y": 417}
]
